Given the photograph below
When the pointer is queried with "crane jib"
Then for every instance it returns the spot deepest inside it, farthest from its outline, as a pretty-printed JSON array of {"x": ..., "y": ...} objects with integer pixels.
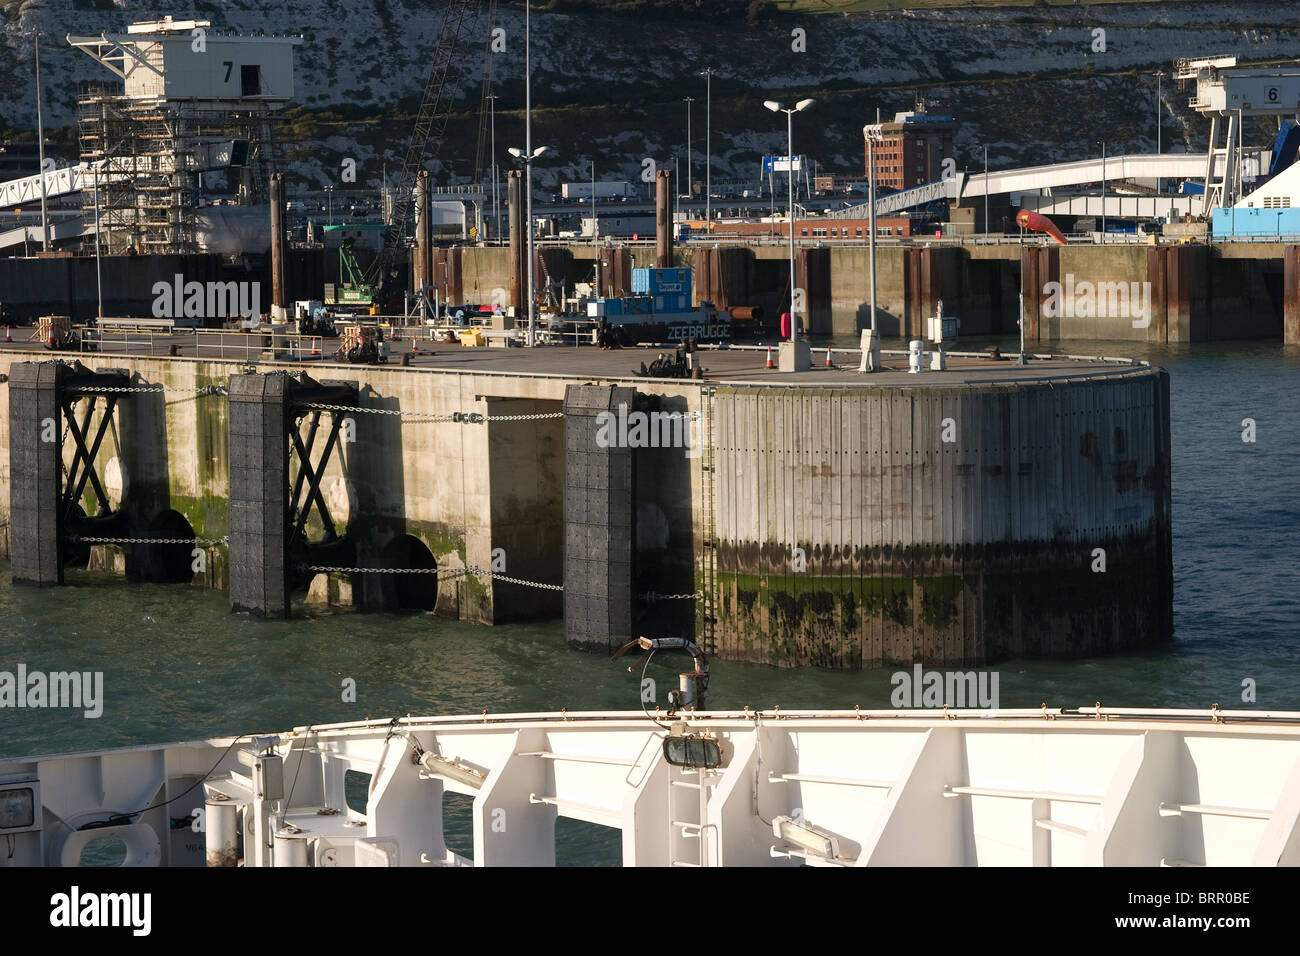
[{"x": 447, "y": 70}]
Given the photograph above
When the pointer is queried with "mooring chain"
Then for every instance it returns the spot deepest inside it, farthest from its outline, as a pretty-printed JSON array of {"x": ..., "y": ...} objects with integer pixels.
[
  {"x": 650, "y": 597},
  {"x": 439, "y": 572},
  {"x": 192, "y": 541},
  {"x": 136, "y": 389},
  {"x": 464, "y": 418}
]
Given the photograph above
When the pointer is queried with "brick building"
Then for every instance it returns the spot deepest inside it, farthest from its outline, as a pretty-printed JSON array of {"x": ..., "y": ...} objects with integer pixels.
[{"x": 912, "y": 150}]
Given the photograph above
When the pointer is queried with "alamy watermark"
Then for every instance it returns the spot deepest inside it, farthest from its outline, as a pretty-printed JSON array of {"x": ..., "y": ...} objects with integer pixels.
[
  {"x": 76, "y": 908},
  {"x": 206, "y": 300},
  {"x": 1099, "y": 300},
  {"x": 40, "y": 689},
  {"x": 956, "y": 689},
  {"x": 647, "y": 430}
]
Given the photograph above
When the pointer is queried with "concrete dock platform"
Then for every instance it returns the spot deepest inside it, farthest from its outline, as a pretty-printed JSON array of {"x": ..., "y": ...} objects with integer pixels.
[
  {"x": 826, "y": 518},
  {"x": 745, "y": 364}
]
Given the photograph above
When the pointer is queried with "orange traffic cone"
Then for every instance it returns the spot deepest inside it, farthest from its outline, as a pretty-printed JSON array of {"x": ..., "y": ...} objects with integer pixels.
[
  {"x": 8, "y": 334},
  {"x": 829, "y": 364},
  {"x": 315, "y": 346},
  {"x": 769, "y": 357},
  {"x": 415, "y": 344}
]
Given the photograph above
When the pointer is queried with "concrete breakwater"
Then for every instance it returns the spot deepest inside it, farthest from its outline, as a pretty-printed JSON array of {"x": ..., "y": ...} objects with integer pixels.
[{"x": 824, "y": 518}]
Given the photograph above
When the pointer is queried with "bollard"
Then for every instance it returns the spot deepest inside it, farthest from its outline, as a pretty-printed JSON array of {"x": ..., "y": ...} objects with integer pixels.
[{"x": 915, "y": 356}]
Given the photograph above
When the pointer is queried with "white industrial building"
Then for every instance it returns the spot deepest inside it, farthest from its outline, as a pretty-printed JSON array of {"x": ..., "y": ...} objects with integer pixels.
[{"x": 190, "y": 102}]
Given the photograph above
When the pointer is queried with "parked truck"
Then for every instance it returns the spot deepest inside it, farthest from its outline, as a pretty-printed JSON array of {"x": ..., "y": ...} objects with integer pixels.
[{"x": 583, "y": 191}]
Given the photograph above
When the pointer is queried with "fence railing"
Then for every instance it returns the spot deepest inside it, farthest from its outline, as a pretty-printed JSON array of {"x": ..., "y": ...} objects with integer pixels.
[{"x": 249, "y": 346}]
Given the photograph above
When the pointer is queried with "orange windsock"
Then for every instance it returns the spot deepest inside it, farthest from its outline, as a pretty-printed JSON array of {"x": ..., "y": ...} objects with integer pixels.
[{"x": 1039, "y": 223}]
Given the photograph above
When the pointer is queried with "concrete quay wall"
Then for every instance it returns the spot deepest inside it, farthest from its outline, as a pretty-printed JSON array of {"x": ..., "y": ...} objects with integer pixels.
[
  {"x": 864, "y": 527},
  {"x": 951, "y": 521}
]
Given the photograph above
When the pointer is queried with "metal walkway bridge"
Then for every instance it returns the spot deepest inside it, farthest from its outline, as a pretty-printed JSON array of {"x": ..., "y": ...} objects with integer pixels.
[{"x": 966, "y": 186}]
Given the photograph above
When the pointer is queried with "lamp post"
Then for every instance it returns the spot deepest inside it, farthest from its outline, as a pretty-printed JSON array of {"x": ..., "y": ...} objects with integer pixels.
[
  {"x": 40, "y": 148},
  {"x": 986, "y": 190},
  {"x": 1103, "y": 190},
  {"x": 794, "y": 364},
  {"x": 1159, "y": 77},
  {"x": 99, "y": 279},
  {"x": 872, "y": 133},
  {"x": 526, "y": 160},
  {"x": 329, "y": 198},
  {"x": 496, "y": 196},
  {"x": 689, "y": 182},
  {"x": 677, "y": 195},
  {"x": 707, "y": 73},
  {"x": 526, "y": 157}
]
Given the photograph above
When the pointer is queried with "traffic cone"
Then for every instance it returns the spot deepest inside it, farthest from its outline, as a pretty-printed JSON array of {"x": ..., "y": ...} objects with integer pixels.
[
  {"x": 769, "y": 357},
  {"x": 8, "y": 334},
  {"x": 829, "y": 364},
  {"x": 415, "y": 345},
  {"x": 315, "y": 346}
]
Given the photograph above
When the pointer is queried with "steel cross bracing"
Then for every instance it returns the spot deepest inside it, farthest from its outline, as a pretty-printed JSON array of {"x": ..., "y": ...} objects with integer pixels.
[
  {"x": 82, "y": 383},
  {"x": 448, "y": 64},
  {"x": 300, "y": 507},
  {"x": 83, "y": 458}
]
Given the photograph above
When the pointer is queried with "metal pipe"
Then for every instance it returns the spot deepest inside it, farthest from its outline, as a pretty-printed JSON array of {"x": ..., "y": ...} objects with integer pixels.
[
  {"x": 514, "y": 202},
  {"x": 663, "y": 220},
  {"x": 277, "y": 240}
]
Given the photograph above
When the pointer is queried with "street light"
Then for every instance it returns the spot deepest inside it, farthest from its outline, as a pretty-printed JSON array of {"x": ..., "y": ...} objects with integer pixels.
[
  {"x": 40, "y": 148},
  {"x": 329, "y": 198},
  {"x": 707, "y": 73},
  {"x": 689, "y": 100},
  {"x": 775, "y": 107},
  {"x": 496, "y": 200},
  {"x": 1159, "y": 77},
  {"x": 986, "y": 190},
  {"x": 525, "y": 158},
  {"x": 1103, "y": 190},
  {"x": 872, "y": 133}
]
